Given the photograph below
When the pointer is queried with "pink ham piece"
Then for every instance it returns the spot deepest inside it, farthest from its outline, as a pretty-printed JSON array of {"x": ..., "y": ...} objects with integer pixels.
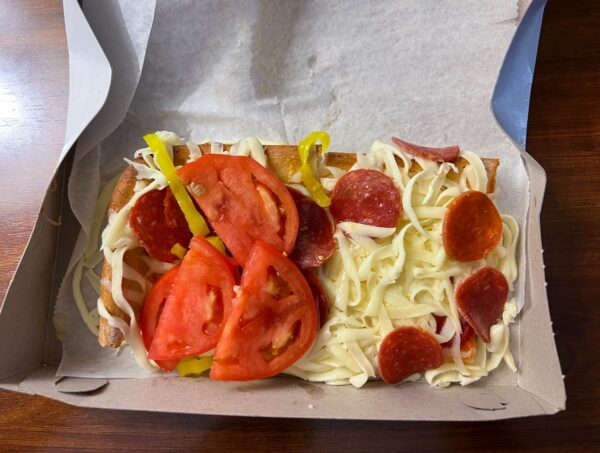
[{"x": 447, "y": 154}]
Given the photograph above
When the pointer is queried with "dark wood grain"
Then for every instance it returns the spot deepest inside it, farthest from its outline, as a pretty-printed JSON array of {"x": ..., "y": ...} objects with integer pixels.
[{"x": 564, "y": 136}]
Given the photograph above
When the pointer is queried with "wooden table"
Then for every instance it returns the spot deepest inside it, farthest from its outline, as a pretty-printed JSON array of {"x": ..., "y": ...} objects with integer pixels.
[{"x": 564, "y": 136}]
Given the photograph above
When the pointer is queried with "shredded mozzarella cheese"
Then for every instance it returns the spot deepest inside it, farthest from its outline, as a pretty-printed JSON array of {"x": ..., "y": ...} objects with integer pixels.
[{"x": 380, "y": 278}]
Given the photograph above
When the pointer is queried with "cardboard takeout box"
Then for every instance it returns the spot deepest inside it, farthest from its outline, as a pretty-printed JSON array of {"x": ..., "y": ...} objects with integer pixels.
[{"x": 30, "y": 350}]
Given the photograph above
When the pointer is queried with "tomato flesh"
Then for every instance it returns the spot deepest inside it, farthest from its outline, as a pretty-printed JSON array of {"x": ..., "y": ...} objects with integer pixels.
[
  {"x": 243, "y": 202},
  {"x": 152, "y": 310},
  {"x": 198, "y": 304},
  {"x": 273, "y": 323}
]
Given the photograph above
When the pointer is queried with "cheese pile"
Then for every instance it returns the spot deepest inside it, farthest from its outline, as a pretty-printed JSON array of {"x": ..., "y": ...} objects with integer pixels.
[{"x": 382, "y": 278}]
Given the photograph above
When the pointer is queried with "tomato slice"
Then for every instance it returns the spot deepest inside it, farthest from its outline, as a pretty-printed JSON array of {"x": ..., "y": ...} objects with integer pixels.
[
  {"x": 198, "y": 305},
  {"x": 152, "y": 310},
  {"x": 273, "y": 323},
  {"x": 243, "y": 202}
]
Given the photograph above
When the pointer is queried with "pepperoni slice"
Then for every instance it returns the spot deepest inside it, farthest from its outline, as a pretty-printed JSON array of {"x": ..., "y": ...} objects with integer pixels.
[
  {"x": 466, "y": 334},
  {"x": 314, "y": 243},
  {"x": 366, "y": 196},
  {"x": 481, "y": 298},
  {"x": 406, "y": 351},
  {"x": 319, "y": 294},
  {"x": 159, "y": 224},
  {"x": 445, "y": 154},
  {"x": 472, "y": 227}
]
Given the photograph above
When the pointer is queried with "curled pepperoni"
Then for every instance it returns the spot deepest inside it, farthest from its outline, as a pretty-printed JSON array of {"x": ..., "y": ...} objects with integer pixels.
[
  {"x": 445, "y": 154},
  {"x": 480, "y": 299},
  {"x": 472, "y": 227},
  {"x": 159, "y": 224},
  {"x": 368, "y": 197},
  {"x": 314, "y": 243},
  {"x": 406, "y": 351},
  {"x": 466, "y": 331},
  {"x": 320, "y": 297}
]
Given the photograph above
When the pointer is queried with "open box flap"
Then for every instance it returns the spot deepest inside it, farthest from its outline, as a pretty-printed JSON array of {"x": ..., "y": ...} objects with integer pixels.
[
  {"x": 542, "y": 377},
  {"x": 510, "y": 106},
  {"x": 510, "y": 102},
  {"x": 23, "y": 327},
  {"x": 90, "y": 73}
]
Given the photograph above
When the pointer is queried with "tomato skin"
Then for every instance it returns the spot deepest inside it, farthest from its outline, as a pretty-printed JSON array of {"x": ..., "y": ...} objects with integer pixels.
[
  {"x": 152, "y": 309},
  {"x": 273, "y": 323},
  {"x": 198, "y": 305},
  {"x": 237, "y": 195}
]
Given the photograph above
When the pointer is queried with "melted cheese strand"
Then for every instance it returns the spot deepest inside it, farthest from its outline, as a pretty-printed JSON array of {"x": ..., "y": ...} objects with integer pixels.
[
  {"x": 250, "y": 147},
  {"x": 84, "y": 311},
  {"x": 91, "y": 258}
]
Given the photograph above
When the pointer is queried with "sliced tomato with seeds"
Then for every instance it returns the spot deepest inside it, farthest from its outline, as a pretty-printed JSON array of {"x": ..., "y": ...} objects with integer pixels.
[
  {"x": 152, "y": 310},
  {"x": 243, "y": 202},
  {"x": 273, "y": 323},
  {"x": 198, "y": 305}
]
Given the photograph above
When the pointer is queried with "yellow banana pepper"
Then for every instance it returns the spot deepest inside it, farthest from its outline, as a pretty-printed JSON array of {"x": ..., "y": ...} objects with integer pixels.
[
  {"x": 195, "y": 221},
  {"x": 309, "y": 180},
  {"x": 194, "y": 366}
]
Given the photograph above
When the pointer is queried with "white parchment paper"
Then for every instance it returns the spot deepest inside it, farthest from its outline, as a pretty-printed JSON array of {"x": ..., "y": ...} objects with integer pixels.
[{"x": 224, "y": 70}]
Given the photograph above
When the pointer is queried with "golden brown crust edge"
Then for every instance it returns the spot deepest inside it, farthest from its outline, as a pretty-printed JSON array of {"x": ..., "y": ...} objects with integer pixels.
[
  {"x": 283, "y": 161},
  {"x": 111, "y": 336}
]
